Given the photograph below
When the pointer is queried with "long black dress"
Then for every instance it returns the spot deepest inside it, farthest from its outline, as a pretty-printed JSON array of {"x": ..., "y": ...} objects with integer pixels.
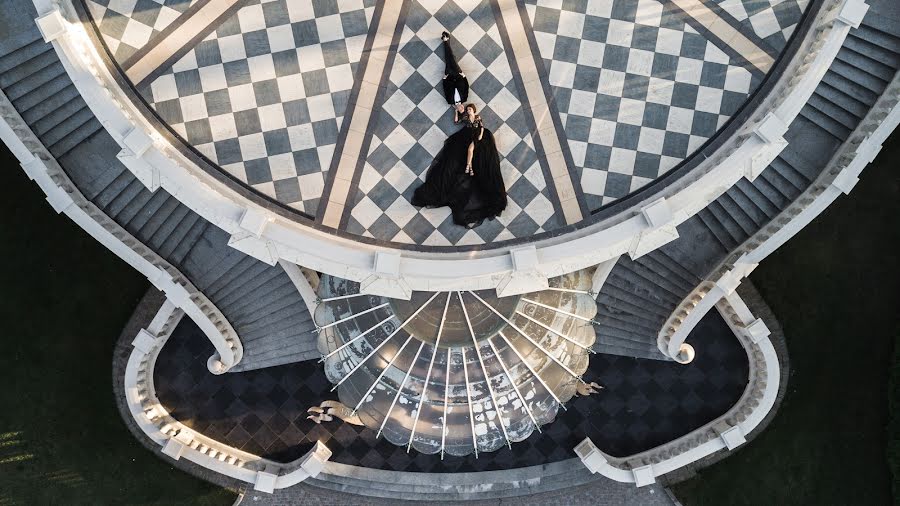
[{"x": 471, "y": 198}]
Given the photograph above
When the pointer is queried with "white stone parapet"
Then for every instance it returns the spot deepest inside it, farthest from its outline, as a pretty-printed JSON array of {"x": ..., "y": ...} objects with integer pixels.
[
  {"x": 636, "y": 231},
  {"x": 177, "y": 441}
]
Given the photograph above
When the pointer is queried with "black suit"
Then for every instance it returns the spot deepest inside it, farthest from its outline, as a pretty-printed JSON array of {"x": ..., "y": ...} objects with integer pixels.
[{"x": 455, "y": 80}]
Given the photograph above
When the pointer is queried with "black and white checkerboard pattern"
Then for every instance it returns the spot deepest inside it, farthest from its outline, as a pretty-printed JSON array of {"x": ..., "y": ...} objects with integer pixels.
[
  {"x": 773, "y": 21},
  {"x": 637, "y": 89},
  {"x": 414, "y": 121},
  {"x": 265, "y": 94},
  {"x": 128, "y": 25}
]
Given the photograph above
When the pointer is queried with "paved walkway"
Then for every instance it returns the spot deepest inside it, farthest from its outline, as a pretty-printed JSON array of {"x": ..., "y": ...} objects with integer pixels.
[
  {"x": 333, "y": 108},
  {"x": 645, "y": 403}
]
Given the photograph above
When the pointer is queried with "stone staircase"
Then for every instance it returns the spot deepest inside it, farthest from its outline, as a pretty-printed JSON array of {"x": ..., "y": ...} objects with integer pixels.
[
  {"x": 635, "y": 301},
  {"x": 640, "y": 295},
  {"x": 259, "y": 300}
]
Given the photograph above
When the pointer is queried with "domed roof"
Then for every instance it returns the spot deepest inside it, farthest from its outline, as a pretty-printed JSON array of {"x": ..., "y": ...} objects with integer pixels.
[{"x": 456, "y": 372}]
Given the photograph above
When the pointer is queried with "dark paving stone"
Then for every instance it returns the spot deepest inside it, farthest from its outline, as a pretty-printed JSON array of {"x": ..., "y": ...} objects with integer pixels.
[{"x": 645, "y": 403}]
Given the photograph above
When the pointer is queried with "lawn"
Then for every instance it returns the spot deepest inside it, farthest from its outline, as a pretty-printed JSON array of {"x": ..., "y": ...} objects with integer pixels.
[
  {"x": 66, "y": 300},
  {"x": 835, "y": 288}
]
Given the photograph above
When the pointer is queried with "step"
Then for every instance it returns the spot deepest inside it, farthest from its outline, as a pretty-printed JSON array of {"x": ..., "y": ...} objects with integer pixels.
[
  {"x": 34, "y": 99},
  {"x": 188, "y": 241},
  {"x": 95, "y": 186},
  {"x": 651, "y": 353},
  {"x": 112, "y": 189},
  {"x": 758, "y": 204},
  {"x": 657, "y": 280},
  {"x": 234, "y": 270},
  {"x": 33, "y": 86},
  {"x": 29, "y": 67},
  {"x": 68, "y": 125},
  {"x": 683, "y": 272},
  {"x": 882, "y": 33},
  {"x": 81, "y": 134},
  {"x": 858, "y": 76},
  {"x": 146, "y": 212},
  {"x": 863, "y": 54},
  {"x": 134, "y": 207},
  {"x": 55, "y": 111},
  {"x": 737, "y": 213},
  {"x": 167, "y": 227},
  {"x": 21, "y": 48},
  {"x": 788, "y": 178},
  {"x": 728, "y": 222},
  {"x": 779, "y": 200},
  {"x": 124, "y": 199},
  {"x": 625, "y": 297},
  {"x": 176, "y": 236},
  {"x": 833, "y": 111},
  {"x": 824, "y": 123},
  {"x": 849, "y": 87},
  {"x": 158, "y": 219},
  {"x": 718, "y": 232},
  {"x": 851, "y": 103}
]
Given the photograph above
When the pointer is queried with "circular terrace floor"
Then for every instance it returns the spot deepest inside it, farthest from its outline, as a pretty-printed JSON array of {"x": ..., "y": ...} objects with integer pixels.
[
  {"x": 333, "y": 110},
  {"x": 644, "y": 403}
]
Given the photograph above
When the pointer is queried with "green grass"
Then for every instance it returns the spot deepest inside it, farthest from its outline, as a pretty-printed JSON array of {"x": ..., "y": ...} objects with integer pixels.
[
  {"x": 835, "y": 287},
  {"x": 65, "y": 300}
]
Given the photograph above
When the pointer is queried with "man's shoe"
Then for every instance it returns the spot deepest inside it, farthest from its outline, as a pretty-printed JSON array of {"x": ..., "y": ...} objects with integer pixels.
[{"x": 445, "y": 36}]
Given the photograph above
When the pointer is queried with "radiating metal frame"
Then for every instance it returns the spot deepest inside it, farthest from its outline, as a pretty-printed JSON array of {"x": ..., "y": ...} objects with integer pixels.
[
  {"x": 513, "y": 383},
  {"x": 348, "y": 343},
  {"x": 446, "y": 397},
  {"x": 530, "y": 369},
  {"x": 351, "y": 317},
  {"x": 382, "y": 343},
  {"x": 487, "y": 377},
  {"x": 469, "y": 399},
  {"x": 526, "y": 336},
  {"x": 560, "y": 311},
  {"x": 381, "y": 375},
  {"x": 560, "y": 334},
  {"x": 400, "y": 389},
  {"x": 428, "y": 374}
]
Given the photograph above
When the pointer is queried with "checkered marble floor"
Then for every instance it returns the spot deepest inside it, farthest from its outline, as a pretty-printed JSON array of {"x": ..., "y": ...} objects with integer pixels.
[
  {"x": 128, "y": 25},
  {"x": 264, "y": 95},
  {"x": 637, "y": 89},
  {"x": 773, "y": 21},
  {"x": 415, "y": 120},
  {"x": 645, "y": 403}
]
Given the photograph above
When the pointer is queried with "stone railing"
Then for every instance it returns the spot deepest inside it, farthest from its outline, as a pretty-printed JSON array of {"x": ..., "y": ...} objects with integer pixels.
[
  {"x": 270, "y": 233},
  {"x": 179, "y": 441},
  {"x": 724, "y": 433},
  {"x": 64, "y": 196},
  {"x": 838, "y": 178}
]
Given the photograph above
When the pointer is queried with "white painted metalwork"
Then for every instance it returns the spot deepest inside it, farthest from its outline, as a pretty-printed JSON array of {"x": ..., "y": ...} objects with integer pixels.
[
  {"x": 382, "y": 343},
  {"x": 487, "y": 377},
  {"x": 400, "y": 389},
  {"x": 560, "y": 311},
  {"x": 469, "y": 401},
  {"x": 560, "y": 334},
  {"x": 384, "y": 370},
  {"x": 428, "y": 374},
  {"x": 342, "y": 297},
  {"x": 532, "y": 341},
  {"x": 348, "y": 343},
  {"x": 351, "y": 317},
  {"x": 533, "y": 372},
  {"x": 513, "y": 383},
  {"x": 446, "y": 396}
]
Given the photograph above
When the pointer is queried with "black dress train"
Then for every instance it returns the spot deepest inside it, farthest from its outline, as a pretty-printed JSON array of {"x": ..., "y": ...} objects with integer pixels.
[{"x": 471, "y": 198}]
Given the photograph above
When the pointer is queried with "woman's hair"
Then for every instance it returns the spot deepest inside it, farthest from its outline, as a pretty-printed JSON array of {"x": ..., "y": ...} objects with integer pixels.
[{"x": 474, "y": 109}]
